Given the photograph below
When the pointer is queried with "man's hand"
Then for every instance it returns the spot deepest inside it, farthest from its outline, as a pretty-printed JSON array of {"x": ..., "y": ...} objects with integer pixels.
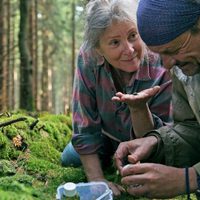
[
  {"x": 156, "y": 180},
  {"x": 134, "y": 151}
]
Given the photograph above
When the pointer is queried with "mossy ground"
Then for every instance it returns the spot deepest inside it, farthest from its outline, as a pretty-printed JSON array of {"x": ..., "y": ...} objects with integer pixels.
[{"x": 30, "y": 149}]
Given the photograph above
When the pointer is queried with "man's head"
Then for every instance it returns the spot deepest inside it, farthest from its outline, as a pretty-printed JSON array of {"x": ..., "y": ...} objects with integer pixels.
[{"x": 172, "y": 28}]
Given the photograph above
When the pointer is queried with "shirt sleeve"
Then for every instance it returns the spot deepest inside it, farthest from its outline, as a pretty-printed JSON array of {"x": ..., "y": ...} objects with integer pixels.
[
  {"x": 86, "y": 121},
  {"x": 161, "y": 104},
  {"x": 180, "y": 144}
]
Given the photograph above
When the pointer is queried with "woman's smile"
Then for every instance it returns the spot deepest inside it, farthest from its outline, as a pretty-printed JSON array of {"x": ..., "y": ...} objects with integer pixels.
[{"x": 122, "y": 46}]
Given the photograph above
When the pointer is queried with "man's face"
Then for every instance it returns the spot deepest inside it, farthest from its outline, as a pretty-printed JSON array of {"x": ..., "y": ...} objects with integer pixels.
[{"x": 184, "y": 52}]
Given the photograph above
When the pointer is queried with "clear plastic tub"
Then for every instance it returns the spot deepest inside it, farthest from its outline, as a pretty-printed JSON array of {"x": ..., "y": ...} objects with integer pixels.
[{"x": 86, "y": 191}]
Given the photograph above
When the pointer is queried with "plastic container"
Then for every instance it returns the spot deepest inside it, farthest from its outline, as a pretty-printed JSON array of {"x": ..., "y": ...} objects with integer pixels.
[
  {"x": 85, "y": 191},
  {"x": 70, "y": 189}
]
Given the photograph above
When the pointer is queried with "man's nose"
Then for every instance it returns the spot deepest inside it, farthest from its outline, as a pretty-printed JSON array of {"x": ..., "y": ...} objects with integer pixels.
[{"x": 168, "y": 61}]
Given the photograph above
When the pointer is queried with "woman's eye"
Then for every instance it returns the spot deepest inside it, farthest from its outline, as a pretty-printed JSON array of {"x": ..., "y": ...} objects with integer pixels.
[
  {"x": 114, "y": 42},
  {"x": 133, "y": 36}
]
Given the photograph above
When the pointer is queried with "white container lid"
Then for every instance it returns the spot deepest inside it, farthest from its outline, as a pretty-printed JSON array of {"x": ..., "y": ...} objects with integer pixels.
[{"x": 69, "y": 189}]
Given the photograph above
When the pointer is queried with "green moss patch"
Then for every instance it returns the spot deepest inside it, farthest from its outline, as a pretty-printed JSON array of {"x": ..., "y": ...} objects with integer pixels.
[{"x": 31, "y": 146}]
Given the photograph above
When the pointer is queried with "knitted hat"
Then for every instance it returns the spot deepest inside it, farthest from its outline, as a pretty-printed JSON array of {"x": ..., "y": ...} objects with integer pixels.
[{"x": 161, "y": 21}]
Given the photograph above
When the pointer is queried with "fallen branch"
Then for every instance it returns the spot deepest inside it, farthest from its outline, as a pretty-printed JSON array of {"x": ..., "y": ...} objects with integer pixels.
[
  {"x": 34, "y": 124},
  {"x": 12, "y": 121}
]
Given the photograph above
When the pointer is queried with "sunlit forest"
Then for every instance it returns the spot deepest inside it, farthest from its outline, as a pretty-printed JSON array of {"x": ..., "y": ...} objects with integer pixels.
[{"x": 39, "y": 42}]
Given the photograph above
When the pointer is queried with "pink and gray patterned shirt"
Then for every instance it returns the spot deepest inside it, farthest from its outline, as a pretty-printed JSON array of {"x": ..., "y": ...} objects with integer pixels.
[{"x": 93, "y": 110}]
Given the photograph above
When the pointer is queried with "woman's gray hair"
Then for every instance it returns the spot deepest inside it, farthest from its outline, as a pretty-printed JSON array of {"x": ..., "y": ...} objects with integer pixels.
[{"x": 100, "y": 14}]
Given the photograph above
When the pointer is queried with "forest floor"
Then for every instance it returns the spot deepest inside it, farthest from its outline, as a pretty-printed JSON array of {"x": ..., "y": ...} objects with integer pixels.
[{"x": 30, "y": 150}]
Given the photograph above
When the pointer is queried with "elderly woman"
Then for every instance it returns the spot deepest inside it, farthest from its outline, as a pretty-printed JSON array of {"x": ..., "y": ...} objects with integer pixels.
[{"x": 120, "y": 88}]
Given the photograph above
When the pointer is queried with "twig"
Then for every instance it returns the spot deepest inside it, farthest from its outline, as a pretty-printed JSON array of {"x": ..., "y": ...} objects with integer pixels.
[
  {"x": 34, "y": 124},
  {"x": 12, "y": 121}
]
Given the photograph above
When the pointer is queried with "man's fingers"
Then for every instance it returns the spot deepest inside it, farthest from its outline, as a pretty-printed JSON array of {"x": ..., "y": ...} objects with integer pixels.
[
  {"x": 120, "y": 156},
  {"x": 133, "y": 169},
  {"x": 138, "y": 190},
  {"x": 133, "y": 158}
]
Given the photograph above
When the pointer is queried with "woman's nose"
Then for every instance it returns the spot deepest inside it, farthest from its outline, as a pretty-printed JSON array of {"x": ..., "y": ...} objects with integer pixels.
[
  {"x": 168, "y": 61},
  {"x": 128, "y": 48}
]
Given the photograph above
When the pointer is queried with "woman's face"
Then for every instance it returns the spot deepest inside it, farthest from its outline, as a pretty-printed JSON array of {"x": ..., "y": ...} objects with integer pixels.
[{"x": 122, "y": 46}]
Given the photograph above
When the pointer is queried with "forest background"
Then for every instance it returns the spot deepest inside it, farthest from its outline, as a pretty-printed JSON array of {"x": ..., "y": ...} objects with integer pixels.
[{"x": 39, "y": 42}]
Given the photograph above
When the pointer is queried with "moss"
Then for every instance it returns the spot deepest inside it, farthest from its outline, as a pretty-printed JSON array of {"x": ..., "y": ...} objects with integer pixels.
[
  {"x": 3, "y": 140},
  {"x": 6, "y": 168},
  {"x": 10, "y": 195},
  {"x": 34, "y": 173},
  {"x": 5, "y": 147},
  {"x": 43, "y": 149},
  {"x": 58, "y": 134},
  {"x": 10, "y": 131},
  {"x": 49, "y": 170},
  {"x": 18, "y": 187}
]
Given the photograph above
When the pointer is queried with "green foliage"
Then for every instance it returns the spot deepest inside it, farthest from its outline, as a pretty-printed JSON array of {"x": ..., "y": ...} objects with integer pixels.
[
  {"x": 31, "y": 145},
  {"x": 6, "y": 168},
  {"x": 45, "y": 150},
  {"x": 33, "y": 171}
]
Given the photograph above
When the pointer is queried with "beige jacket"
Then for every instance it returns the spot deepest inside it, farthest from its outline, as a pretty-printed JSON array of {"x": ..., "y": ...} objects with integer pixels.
[{"x": 182, "y": 141}]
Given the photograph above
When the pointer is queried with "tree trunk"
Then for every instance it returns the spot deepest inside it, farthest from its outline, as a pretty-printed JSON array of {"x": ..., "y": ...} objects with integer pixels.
[
  {"x": 33, "y": 48},
  {"x": 26, "y": 97},
  {"x": 36, "y": 79},
  {"x": 45, "y": 71},
  {"x": 9, "y": 66},
  {"x": 3, "y": 58},
  {"x": 13, "y": 63},
  {"x": 73, "y": 39},
  {"x": 1, "y": 55}
]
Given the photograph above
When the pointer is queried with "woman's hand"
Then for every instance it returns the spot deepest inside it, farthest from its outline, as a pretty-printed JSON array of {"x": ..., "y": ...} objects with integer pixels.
[
  {"x": 137, "y": 100},
  {"x": 93, "y": 170},
  {"x": 116, "y": 189},
  {"x": 141, "y": 116}
]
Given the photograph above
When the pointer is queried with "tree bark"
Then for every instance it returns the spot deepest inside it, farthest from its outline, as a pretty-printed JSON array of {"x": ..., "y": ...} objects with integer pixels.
[
  {"x": 3, "y": 57},
  {"x": 26, "y": 95}
]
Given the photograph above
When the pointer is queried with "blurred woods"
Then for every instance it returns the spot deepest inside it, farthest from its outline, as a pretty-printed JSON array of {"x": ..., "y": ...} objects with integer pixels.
[{"x": 39, "y": 42}]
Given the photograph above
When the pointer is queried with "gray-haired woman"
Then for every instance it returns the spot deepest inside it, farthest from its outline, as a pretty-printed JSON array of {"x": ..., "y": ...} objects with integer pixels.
[{"x": 113, "y": 65}]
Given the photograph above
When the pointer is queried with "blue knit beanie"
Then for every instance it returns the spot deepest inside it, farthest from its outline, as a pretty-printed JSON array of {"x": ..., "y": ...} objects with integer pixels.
[{"x": 161, "y": 21}]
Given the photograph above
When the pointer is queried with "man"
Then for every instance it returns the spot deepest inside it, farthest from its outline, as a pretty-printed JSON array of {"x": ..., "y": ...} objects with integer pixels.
[{"x": 172, "y": 29}]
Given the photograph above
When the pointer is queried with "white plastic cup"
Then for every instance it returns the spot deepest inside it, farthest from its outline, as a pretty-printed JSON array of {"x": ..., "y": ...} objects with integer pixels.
[{"x": 69, "y": 189}]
